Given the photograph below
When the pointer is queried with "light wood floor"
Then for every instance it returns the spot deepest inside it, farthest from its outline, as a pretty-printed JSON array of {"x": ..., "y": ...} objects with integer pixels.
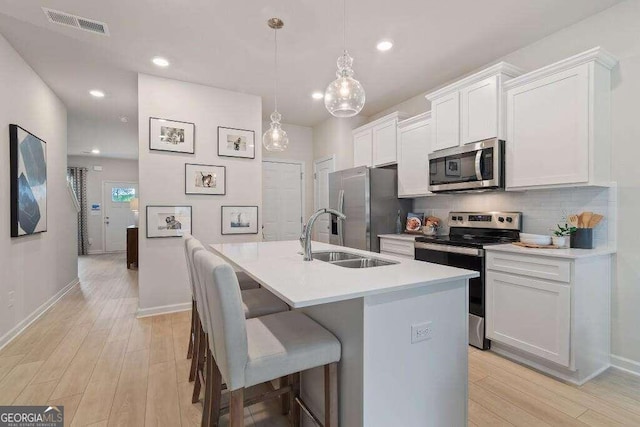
[{"x": 90, "y": 354}]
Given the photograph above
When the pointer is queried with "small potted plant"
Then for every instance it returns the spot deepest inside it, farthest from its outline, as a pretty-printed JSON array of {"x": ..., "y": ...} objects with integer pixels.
[{"x": 561, "y": 235}]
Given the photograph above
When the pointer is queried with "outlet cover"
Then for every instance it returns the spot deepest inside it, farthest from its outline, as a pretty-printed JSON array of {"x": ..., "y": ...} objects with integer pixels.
[{"x": 421, "y": 332}]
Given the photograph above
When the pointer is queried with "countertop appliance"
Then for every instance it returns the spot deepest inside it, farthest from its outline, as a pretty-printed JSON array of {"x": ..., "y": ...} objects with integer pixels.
[
  {"x": 369, "y": 199},
  {"x": 470, "y": 168},
  {"x": 469, "y": 234}
]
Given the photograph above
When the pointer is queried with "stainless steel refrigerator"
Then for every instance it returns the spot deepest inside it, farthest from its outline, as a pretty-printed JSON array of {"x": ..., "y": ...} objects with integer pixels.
[{"x": 369, "y": 199}]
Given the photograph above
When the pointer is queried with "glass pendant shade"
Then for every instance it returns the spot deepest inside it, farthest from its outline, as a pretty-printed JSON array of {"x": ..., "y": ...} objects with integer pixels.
[
  {"x": 344, "y": 96},
  {"x": 275, "y": 138}
]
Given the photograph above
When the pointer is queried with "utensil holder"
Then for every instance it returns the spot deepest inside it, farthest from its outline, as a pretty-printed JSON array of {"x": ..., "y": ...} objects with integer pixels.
[{"x": 582, "y": 238}]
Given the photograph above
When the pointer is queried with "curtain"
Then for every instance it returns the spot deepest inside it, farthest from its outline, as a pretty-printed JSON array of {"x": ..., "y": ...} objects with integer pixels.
[{"x": 78, "y": 177}]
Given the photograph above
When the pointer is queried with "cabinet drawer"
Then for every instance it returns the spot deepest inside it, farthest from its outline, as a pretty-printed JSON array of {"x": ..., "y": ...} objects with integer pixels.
[
  {"x": 544, "y": 268},
  {"x": 399, "y": 247},
  {"x": 397, "y": 255}
]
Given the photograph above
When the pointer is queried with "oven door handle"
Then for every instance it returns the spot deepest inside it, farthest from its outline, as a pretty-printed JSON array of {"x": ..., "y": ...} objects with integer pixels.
[
  {"x": 478, "y": 165},
  {"x": 451, "y": 249}
]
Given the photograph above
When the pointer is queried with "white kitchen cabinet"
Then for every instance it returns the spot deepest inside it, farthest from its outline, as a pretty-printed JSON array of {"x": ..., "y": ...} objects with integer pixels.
[
  {"x": 470, "y": 110},
  {"x": 363, "y": 148},
  {"x": 558, "y": 124},
  {"x": 400, "y": 245},
  {"x": 414, "y": 146},
  {"x": 384, "y": 143},
  {"x": 550, "y": 312}
]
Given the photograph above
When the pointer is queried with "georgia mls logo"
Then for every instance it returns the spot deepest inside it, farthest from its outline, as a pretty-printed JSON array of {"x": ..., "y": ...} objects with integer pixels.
[{"x": 31, "y": 416}]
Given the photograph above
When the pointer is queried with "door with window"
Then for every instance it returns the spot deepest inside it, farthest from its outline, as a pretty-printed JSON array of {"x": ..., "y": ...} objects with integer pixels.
[
  {"x": 282, "y": 200},
  {"x": 117, "y": 215}
]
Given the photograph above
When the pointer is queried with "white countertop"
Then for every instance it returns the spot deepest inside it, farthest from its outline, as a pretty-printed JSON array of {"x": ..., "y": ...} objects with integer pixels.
[
  {"x": 557, "y": 253},
  {"x": 403, "y": 236},
  {"x": 279, "y": 267}
]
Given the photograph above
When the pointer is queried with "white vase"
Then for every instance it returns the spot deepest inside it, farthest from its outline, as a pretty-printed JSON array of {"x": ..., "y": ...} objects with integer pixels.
[{"x": 560, "y": 241}]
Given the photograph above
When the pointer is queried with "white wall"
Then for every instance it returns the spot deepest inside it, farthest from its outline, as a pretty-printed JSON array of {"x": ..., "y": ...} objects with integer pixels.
[
  {"x": 112, "y": 170},
  {"x": 300, "y": 149},
  {"x": 36, "y": 267},
  {"x": 615, "y": 29},
  {"x": 108, "y": 134},
  {"x": 333, "y": 137},
  {"x": 162, "y": 270}
]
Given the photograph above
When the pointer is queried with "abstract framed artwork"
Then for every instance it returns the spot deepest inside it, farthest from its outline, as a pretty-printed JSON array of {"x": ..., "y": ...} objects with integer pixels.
[
  {"x": 168, "y": 221},
  {"x": 171, "y": 135},
  {"x": 236, "y": 143},
  {"x": 239, "y": 220},
  {"x": 205, "y": 179},
  {"x": 28, "y": 170}
]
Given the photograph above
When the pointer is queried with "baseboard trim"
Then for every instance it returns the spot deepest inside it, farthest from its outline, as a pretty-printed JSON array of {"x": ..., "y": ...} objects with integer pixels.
[
  {"x": 96, "y": 252},
  {"x": 37, "y": 313},
  {"x": 624, "y": 364},
  {"x": 163, "y": 309}
]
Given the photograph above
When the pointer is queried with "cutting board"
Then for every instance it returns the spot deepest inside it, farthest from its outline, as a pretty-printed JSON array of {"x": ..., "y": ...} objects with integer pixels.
[{"x": 532, "y": 245}]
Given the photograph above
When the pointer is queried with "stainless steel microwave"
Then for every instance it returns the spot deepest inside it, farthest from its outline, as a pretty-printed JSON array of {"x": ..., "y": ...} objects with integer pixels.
[{"x": 472, "y": 167}]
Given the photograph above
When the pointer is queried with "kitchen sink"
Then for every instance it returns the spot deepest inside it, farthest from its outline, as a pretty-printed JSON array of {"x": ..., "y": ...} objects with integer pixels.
[{"x": 349, "y": 260}]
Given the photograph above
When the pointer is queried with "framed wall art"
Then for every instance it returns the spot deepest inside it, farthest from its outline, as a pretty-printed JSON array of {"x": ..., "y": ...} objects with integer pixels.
[
  {"x": 239, "y": 220},
  {"x": 168, "y": 221},
  {"x": 205, "y": 179},
  {"x": 171, "y": 135},
  {"x": 28, "y": 170},
  {"x": 236, "y": 143}
]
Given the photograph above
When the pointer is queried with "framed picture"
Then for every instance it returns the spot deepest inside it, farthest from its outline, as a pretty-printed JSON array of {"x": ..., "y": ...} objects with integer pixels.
[
  {"x": 205, "y": 179},
  {"x": 168, "y": 221},
  {"x": 239, "y": 220},
  {"x": 236, "y": 143},
  {"x": 452, "y": 167},
  {"x": 171, "y": 135},
  {"x": 28, "y": 170}
]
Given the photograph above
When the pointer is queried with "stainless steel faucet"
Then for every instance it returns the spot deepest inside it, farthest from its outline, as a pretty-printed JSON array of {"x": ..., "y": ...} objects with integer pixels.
[{"x": 305, "y": 237}]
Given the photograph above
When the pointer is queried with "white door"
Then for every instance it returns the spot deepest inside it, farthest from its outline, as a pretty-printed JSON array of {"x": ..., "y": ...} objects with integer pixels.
[
  {"x": 479, "y": 107},
  {"x": 414, "y": 145},
  {"x": 445, "y": 119},
  {"x": 117, "y": 213},
  {"x": 362, "y": 148},
  {"x": 321, "y": 170},
  {"x": 282, "y": 200},
  {"x": 384, "y": 143}
]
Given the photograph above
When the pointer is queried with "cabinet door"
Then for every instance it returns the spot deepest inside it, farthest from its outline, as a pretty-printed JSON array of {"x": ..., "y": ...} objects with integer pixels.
[
  {"x": 413, "y": 159},
  {"x": 362, "y": 148},
  {"x": 548, "y": 130},
  {"x": 529, "y": 314},
  {"x": 479, "y": 111},
  {"x": 445, "y": 119},
  {"x": 384, "y": 143}
]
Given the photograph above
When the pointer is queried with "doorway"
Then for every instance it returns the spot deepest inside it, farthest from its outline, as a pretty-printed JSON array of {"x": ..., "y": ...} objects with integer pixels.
[
  {"x": 117, "y": 215},
  {"x": 282, "y": 199},
  {"x": 321, "y": 170}
]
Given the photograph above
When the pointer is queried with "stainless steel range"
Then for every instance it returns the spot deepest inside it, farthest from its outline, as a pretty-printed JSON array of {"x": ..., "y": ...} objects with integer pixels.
[{"x": 469, "y": 233}]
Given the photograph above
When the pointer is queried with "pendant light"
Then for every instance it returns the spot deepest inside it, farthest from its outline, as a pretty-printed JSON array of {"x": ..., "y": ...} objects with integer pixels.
[
  {"x": 275, "y": 138},
  {"x": 344, "y": 96}
]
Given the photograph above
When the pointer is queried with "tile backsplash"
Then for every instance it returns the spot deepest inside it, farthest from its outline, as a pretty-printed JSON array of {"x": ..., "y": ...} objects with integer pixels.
[{"x": 541, "y": 209}]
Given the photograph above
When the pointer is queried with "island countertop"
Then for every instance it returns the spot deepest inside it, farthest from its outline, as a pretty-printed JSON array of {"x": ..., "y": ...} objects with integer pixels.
[{"x": 279, "y": 267}]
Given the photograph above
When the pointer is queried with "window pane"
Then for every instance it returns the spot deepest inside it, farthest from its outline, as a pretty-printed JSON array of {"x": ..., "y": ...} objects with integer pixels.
[{"x": 122, "y": 194}]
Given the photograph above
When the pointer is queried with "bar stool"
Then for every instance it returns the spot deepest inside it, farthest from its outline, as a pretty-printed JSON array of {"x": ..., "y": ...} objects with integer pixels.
[
  {"x": 245, "y": 352},
  {"x": 256, "y": 302}
]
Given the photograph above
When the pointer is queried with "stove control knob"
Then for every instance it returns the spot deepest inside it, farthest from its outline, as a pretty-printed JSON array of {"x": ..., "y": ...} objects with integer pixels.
[
  {"x": 509, "y": 219},
  {"x": 453, "y": 218},
  {"x": 501, "y": 219},
  {"x": 459, "y": 218}
]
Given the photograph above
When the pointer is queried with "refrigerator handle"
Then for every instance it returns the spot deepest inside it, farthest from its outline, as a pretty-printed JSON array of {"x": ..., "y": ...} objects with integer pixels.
[{"x": 340, "y": 222}]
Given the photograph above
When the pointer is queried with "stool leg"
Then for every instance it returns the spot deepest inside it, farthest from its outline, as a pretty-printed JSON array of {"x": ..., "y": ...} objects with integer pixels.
[
  {"x": 193, "y": 372},
  {"x": 284, "y": 399},
  {"x": 203, "y": 353},
  {"x": 215, "y": 379},
  {"x": 331, "y": 395},
  {"x": 208, "y": 383},
  {"x": 294, "y": 381},
  {"x": 236, "y": 408},
  {"x": 193, "y": 329}
]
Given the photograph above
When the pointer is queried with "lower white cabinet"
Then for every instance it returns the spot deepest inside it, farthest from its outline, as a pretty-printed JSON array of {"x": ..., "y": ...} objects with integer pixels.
[{"x": 401, "y": 247}]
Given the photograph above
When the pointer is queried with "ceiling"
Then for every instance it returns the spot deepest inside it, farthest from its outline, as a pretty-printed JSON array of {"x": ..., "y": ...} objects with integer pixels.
[{"x": 228, "y": 45}]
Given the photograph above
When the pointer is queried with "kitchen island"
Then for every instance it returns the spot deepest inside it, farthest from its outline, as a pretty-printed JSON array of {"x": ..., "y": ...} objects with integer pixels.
[{"x": 403, "y": 329}]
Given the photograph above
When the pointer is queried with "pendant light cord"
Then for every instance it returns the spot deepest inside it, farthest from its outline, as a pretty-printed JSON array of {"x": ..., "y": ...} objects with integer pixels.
[
  {"x": 275, "y": 60},
  {"x": 344, "y": 28}
]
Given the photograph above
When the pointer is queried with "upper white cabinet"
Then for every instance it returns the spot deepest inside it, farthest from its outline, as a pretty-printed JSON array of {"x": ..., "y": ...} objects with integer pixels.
[
  {"x": 469, "y": 110},
  {"x": 558, "y": 124},
  {"x": 375, "y": 144},
  {"x": 414, "y": 146}
]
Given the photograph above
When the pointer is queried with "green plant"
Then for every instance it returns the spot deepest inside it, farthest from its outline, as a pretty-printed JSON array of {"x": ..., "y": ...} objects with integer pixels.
[{"x": 565, "y": 230}]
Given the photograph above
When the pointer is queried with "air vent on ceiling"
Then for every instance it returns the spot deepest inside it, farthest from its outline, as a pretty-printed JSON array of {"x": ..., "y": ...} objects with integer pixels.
[{"x": 66, "y": 19}]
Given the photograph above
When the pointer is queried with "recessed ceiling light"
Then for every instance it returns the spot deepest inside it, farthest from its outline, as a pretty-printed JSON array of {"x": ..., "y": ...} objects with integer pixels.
[
  {"x": 384, "y": 45},
  {"x": 97, "y": 93},
  {"x": 317, "y": 95},
  {"x": 95, "y": 151},
  {"x": 160, "y": 61}
]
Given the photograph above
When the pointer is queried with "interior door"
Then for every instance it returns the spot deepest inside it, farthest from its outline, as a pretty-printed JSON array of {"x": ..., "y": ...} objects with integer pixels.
[
  {"x": 321, "y": 171},
  {"x": 282, "y": 200},
  {"x": 356, "y": 207},
  {"x": 117, "y": 213}
]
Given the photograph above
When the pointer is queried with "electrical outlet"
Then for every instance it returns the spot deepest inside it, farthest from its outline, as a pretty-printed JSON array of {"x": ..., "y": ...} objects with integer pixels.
[{"x": 421, "y": 332}]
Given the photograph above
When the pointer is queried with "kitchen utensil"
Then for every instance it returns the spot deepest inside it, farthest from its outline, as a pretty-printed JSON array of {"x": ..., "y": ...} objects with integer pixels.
[
  {"x": 586, "y": 219},
  {"x": 595, "y": 220},
  {"x": 574, "y": 220},
  {"x": 535, "y": 239}
]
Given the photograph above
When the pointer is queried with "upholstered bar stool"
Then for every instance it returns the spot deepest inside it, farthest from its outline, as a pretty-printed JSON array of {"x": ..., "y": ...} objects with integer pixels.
[
  {"x": 246, "y": 352},
  {"x": 255, "y": 302}
]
